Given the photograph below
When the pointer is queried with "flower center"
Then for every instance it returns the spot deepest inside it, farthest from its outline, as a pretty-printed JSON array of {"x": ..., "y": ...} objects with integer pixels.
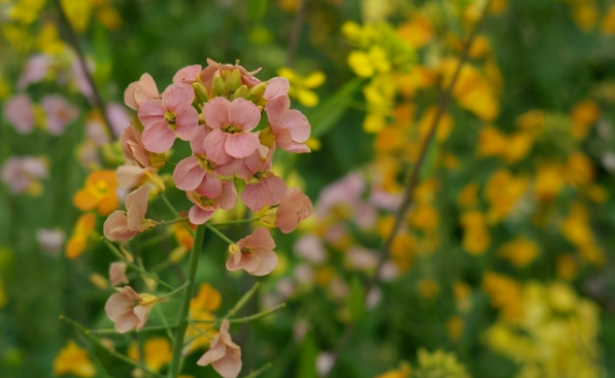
[
  {"x": 169, "y": 116},
  {"x": 100, "y": 189},
  {"x": 202, "y": 200},
  {"x": 204, "y": 162},
  {"x": 232, "y": 129},
  {"x": 247, "y": 250}
]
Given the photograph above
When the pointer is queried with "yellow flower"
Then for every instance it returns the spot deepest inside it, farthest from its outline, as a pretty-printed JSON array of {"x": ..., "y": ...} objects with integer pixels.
[
  {"x": 476, "y": 237},
  {"x": 402, "y": 251},
  {"x": 597, "y": 193},
  {"x": 579, "y": 169},
  {"x": 424, "y": 217},
  {"x": 26, "y": 11},
  {"x": 491, "y": 142},
  {"x": 367, "y": 64},
  {"x": 549, "y": 181},
  {"x": 81, "y": 233},
  {"x": 463, "y": 300},
  {"x": 608, "y": 22},
  {"x": 531, "y": 120},
  {"x": 428, "y": 288},
  {"x": 584, "y": 116},
  {"x": 49, "y": 40},
  {"x": 517, "y": 146},
  {"x": 409, "y": 83},
  {"x": 503, "y": 190},
  {"x": 468, "y": 196},
  {"x": 585, "y": 15},
  {"x": 480, "y": 47},
  {"x": 99, "y": 193},
  {"x": 505, "y": 295},
  {"x": 439, "y": 364},
  {"x": 520, "y": 251},
  {"x": 417, "y": 32},
  {"x": 156, "y": 352},
  {"x": 301, "y": 87},
  {"x": 567, "y": 267},
  {"x": 576, "y": 226},
  {"x": 403, "y": 372},
  {"x": 445, "y": 124},
  {"x": 73, "y": 360},
  {"x": 454, "y": 328},
  {"x": 207, "y": 298}
]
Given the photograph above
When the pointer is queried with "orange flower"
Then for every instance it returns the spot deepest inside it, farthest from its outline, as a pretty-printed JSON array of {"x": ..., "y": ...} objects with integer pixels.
[
  {"x": 81, "y": 233},
  {"x": 99, "y": 193}
]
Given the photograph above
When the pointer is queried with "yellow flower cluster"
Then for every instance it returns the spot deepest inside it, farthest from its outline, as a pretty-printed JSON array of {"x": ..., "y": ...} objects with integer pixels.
[
  {"x": 430, "y": 365},
  {"x": 554, "y": 336},
  {"x": 589, "y": 13}
]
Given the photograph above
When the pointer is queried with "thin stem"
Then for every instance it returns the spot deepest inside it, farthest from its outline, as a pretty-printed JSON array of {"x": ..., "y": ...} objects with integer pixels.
[
  {"x": 74, "y": 42},
  {"x": 162, "y": 223},
  {"x": 166, "y": 324},
  {"x": 293, "y": 37},
  {"x": 242, "y": 301},
  {"x": 110, "y": 331},
  {"x": 185, "y": 305},
  {"x": 86, "y": 332},
  {"x": 237, "y": 221},
  {"x": 175, "y": 212},
  {"x": 245, "y": 319},
  {"x": 220, "y": 234},
  {"x": 167, "y": 295},
  {"x": 258, "y": 372}
]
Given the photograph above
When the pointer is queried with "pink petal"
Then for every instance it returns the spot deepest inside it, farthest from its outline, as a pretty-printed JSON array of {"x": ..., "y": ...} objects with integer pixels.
[
  {"x": 146, "y": 89},
  {"x": 136, "y": 206},
  {"x": 241, "y": 145},
  {"x": 186, "y": 119},
  {"x": 151, "y": 112},
  {"x": 19, "y": 112},
  {"x": 197, "y": 139},
  {"x": 141, "y": 314},
  {"x": 198, "y": 215},
  {"x": 277, "y": 108},
  {"x": 118, "y": 304},
  {"x": 266, "y": 193},
  {"x": 129, "y": 176},
  {"x": 129, "y": 96},
  {"x": 214, "y": 353},
  {"x": 244, "y": 114},
  {"x": 214, "y": 144},
  {"x": 298, "y": 125},
  {"x": 188, "y": 174},
  {"x": 211, "y": 186},
  {"x": 126, "y": 322},
  {"x": 217, "y": 112},
  {"x": 268, "y": 262},
  {"x": 157, "y": 137},
  {"x": 177, "y": 95},
  {"x": 187, "y": 74},
  {"x": 277, "y": 87},
  {"x": 116, "y": 228},
  {"x": 228, "y": 197}
]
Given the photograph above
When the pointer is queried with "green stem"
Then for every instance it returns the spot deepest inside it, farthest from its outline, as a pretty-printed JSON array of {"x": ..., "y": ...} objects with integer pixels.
[
  {"x": 258, "y": 372},
  {"x": 97, "y": 342},
  {"x": 242, "y": 301},
  {"x": 162, "y": 223},
  {"x": 185, "y": 306},
  {"x": 167, "y": 295},
  {"x": 108, "y": 331},
  {"x": 175, "y": 212},
  {"x": 245, "y": 319},
  {"x": 166, "y": 324},
  {"x": 237, "y": 221},
  {"x": 220, "y": 234}
]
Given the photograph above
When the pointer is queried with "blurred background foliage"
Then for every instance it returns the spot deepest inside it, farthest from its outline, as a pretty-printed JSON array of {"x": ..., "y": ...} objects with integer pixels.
[{"x": 505, "y": 259}]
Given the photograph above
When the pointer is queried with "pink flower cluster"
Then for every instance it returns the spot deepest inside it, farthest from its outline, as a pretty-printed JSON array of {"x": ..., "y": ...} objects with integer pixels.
[
  {"x": 216, "y": 110},
  {"x": 20, "y": 113}
]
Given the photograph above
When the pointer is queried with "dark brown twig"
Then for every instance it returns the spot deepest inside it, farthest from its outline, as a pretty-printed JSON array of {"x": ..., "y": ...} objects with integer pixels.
[
  {"x": 412, "y": 180},
  {"x": 73, "y": 40}
]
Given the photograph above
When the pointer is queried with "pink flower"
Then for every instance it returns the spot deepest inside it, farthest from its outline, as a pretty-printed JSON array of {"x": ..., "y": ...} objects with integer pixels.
[
  {"x": 117, "y": 273},
  {"x": 347, "y": 191},
  {"x": 59, "y": 113},
  {"x": 36, "y": 69},
  {"x": 122, "y": 226},
  {"x": 140, "y": 92},
  {"x": 223, "y": 354},
  {"x": 20, "y": 173},
  {"x": 291, "y": 130},
  {"x": 276, "y": 95},
  {"x": 311, "y": 248},
  {"x": 187, "y": 75},
  {"x": 255, "y": 254},
  {"x": 263, "y": 188},
  {"x": 165, "y": 120},
  {"x": 132, "y": 176},
  {"x": 95, "y": 129},
  {"x": 361, "y": 258},
  {"x": 204, "y": 207},
  {"x": 213, "y": 70},
  {"x": 134, "y": 150},
  {"x": 50, "y": 240},
  {"x": 198, "y": 173},
  {"x": 19, "y": 112},
  {"x": 81, "y": 77},
  {"x": 294, "y": 208},
  {"x": 231, "y": 123},
  {"x": 128, "y": 309},
  {"x": 118, "y": 117}
]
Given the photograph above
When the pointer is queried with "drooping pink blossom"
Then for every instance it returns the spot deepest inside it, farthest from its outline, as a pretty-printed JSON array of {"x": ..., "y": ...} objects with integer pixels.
[
  {"x": 19, "y": 173},
  {"x": 255, "y": 254},
  {"x": 133, "y": 148},
  {"x": 20, "y": 114},
  {"x": 198, "y": 173},
  {"x": 130, "y": 176},
  {"x": 294, "y": 207},
  {"x": 117, "y": 273},
  {"x": 35, "y": 70},
  {"x": 187, "y": 75},
  {"x": 122, "y": 226},
  {"x": 263, "y": 188},
  {"x": 231, "y": 122},
  {"x": 59, "y": 113},
  {"x": 204, "y": 207},
  {"x": 128, "y": 309},
  {"x": 165, "y": 120},
  {"x": 139, "y": 92},
  {"x": 291, "y": 130},
  {"x": 213, "y": 70},
  {"x": 223, "y": 354}
]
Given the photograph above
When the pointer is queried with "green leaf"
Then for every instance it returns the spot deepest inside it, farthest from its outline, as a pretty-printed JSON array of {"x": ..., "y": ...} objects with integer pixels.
[
  {"x": 326, "y": 115},
  {"x": 307, "y": 359},
  {"x": 356, "y": 299},
  {"x": 256, "y": 9}
]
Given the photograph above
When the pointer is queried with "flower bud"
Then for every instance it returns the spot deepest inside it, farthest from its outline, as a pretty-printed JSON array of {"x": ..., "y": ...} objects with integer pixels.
[
  {"x": 257, "y": 92},
  {"x": 219, "y": 88},
  {"x": 268, "y": 219},
  {"x": 242, "y": 92},
  {"x": 148, "y": 300},
  {"x": 112, "y": 153},
  {"x": 156, "y": 160},
  {"x": 99, "y": 281},
  {"x": 233, "y": 80},
  {"x": 178, "y": 254},
  {"x": 266, "y": 137},
  {"x": 234, "y": 248},
  {"x": 200, "y": 93}
]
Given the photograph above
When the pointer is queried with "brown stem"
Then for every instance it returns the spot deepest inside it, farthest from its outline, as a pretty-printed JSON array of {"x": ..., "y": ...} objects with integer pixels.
[
  {"x": 293, "y": 38},
  {"x": 73, "y": 40},
  {"x": 412, "y": 179}
]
